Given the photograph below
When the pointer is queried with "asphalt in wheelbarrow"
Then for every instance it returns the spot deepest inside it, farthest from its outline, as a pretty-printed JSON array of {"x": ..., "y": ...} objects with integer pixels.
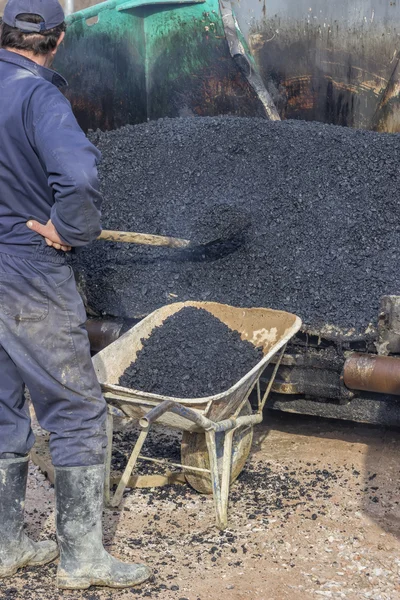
[{"x": 191, "y": 355}]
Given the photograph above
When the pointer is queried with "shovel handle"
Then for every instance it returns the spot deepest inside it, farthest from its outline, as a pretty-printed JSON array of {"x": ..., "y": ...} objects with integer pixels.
[{"x": 146, "y": 239}]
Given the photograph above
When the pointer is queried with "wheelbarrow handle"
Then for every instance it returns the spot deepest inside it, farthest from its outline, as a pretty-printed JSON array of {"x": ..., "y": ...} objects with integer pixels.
[{"x": 155, "y": 413}]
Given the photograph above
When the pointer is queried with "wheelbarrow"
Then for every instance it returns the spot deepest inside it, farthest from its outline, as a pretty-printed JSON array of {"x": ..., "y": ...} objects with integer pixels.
[{"x": 217, "y": 430}]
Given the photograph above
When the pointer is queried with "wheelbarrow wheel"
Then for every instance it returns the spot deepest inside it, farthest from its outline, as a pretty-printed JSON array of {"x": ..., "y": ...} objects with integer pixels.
[{"x": 194, "y": 454}]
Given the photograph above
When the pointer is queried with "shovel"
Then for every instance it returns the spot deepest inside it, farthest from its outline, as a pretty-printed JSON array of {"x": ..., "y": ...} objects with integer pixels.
[
  {"x": 220, "y": 226},
  {"x": 145, "y": 239}
]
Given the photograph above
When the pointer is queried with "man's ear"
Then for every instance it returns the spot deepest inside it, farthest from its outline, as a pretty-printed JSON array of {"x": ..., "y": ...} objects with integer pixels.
[{"x": 60, "y": 39}]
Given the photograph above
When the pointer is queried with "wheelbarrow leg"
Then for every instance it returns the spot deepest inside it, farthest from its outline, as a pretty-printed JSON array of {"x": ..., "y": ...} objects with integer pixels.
[
  {"x": 212, "y": 453},
  {"x": 107, "y": 478},
  {"x": 116, "y": 499},
  {"x": 226, "y": 476}
]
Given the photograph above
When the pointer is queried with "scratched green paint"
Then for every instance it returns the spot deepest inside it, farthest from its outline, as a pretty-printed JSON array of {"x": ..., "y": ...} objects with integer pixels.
[{"x": 154, "y": 29}]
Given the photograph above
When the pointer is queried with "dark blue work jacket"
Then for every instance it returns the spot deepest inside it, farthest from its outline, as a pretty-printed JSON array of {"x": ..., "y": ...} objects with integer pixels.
[{"x": 48, "y": 168}]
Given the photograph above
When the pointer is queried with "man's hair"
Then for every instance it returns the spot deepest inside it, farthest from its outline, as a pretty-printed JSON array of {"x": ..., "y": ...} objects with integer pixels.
[{"x": 38, "y": 43}]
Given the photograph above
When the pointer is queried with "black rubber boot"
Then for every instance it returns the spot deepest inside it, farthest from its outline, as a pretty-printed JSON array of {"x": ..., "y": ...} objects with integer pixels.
[
  {"x": 16, "y": 549},
  {"x": 83, "y": 559}
]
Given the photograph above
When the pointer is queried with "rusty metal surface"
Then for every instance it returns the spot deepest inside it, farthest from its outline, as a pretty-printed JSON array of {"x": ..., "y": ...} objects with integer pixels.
[
  {"x": 312, "y": 372},
  {"x": 373, "y": 373},
  {"x": 336, "y": 62},
  {"x": 310, "y": 382},
  {"x": 388, "y": 341},
  {"x": 103, "y": 332}
]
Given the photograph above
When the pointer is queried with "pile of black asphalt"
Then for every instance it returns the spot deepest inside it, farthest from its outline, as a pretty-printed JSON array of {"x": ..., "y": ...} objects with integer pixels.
[
  {"x": 191, "y": 355},
  {"x": 319, "y": 206}
]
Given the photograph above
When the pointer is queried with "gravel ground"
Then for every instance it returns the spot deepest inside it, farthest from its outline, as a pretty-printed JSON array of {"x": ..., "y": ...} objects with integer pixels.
[
  {"x": 192, "y": 355},
  {"x": 323, "y": 201},
  {"x": 315, "y": 514}
]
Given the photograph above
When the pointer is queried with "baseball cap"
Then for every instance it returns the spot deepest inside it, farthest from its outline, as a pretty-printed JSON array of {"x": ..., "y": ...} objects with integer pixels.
[{"x": 50, "y": 11}]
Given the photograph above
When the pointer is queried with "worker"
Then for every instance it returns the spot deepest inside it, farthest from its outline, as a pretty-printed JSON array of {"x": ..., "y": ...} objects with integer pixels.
[{"x": 49, "y": 204}]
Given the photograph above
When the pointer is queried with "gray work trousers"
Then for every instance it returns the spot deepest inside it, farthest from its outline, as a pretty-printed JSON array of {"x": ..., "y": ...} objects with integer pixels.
[{"x": 44, "y": 346}]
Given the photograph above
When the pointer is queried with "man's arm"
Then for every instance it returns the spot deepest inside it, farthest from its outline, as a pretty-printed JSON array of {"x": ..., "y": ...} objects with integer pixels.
[{"x": 71, "y": 164}]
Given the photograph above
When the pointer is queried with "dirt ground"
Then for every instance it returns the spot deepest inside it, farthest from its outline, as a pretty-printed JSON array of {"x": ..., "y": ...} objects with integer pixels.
[{"x": 315, "y": 514}]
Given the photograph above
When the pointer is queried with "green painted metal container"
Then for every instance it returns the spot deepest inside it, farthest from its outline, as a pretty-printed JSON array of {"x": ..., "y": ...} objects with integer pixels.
[{"x": 127, "y": 62}]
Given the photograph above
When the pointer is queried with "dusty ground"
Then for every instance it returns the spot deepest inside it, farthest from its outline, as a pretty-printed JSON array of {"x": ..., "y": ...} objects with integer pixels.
[{"x": 315, "y": 514}]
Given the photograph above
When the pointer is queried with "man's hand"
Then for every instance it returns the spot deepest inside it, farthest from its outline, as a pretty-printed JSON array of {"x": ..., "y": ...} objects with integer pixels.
[{"x": 50, "y": 234}]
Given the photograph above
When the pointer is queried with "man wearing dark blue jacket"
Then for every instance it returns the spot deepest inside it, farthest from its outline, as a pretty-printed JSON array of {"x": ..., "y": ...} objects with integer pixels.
[{"x": 49, "y": 203}]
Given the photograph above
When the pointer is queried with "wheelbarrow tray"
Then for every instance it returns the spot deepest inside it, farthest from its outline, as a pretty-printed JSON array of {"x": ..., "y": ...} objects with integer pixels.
[{"x": 265, "y": 328}]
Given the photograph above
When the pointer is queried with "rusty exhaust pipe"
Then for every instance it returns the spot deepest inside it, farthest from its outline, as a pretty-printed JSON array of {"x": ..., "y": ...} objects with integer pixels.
[
  {"x": 102, "y": 332},
  {"x": 373, "y": 373}
]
